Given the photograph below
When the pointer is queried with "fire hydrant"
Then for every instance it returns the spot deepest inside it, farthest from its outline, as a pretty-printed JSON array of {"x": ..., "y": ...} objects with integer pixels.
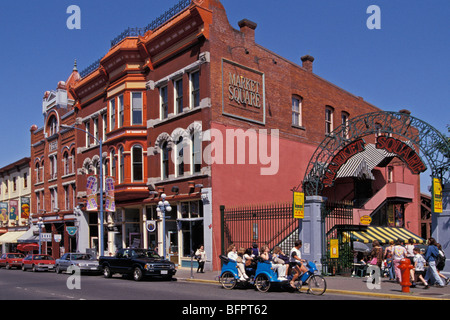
[{"x": 405, "y": 266}]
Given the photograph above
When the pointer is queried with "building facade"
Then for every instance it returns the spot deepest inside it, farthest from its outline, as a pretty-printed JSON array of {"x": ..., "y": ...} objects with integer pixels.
[
  {"x": 15, "y": 202},
  {"x": 195, "y": 109}
]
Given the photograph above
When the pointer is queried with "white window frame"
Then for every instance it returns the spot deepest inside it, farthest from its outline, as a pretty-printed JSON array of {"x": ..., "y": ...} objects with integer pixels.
[
  {"x": 112, "y": 114},
  {"x": 329, "y": 122},
  {"x": 297, "y": 114},
  {"x": 121, "y": 112},
  {"x": 192, "y": 90},
  {"x": 177, "y": 96},
  {"x": 132, "y": 162},
  {"x": 163, "y": 104}
]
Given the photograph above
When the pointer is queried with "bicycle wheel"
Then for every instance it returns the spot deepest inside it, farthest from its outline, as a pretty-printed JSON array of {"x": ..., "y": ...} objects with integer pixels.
[
  {"x": 317, "y": 285},
  {"x": 262, "y": 283},
  {"x": 228, "y": 280}
]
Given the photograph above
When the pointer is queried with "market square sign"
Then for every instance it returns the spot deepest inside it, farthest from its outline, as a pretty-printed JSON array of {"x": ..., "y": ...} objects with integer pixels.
[{"x": 243, "y": 92}]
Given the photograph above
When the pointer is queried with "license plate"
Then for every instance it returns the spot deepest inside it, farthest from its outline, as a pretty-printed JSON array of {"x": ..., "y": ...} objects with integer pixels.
[
  {"x": 93, "y": 268},
  {"x": 164, "y": 272}
]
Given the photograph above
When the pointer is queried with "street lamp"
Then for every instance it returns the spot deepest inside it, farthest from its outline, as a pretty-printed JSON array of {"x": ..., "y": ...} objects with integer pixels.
[
  {"x": 100, "y": 142},
  {"x": 164, "y": 206},
  {"x": 40, "y": 223}
]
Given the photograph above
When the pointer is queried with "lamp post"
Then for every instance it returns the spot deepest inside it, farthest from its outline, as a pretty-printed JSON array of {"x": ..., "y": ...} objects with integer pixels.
[
  {"x": 164, "y": 206},
  {"x": 100, "y": 143},
  {"x": 40, "y": 223}
]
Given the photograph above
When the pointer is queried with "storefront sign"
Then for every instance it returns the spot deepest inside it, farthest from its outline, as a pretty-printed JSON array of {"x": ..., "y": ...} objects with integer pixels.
[
  {"x": 299, "y": 205},
  {"x": 151, "y": 225},
  {"x": 244, "y": 91},
  {"x": 46, "y": 237},
  {"x": 437, "y": 195},
  {"x": 72, "y": 231},
  {"x": 403, "y": 151},
  {"x": 365, "y": 220},
  {"x": 340, "y": 159},
  {"x": 57, "y": 237}
]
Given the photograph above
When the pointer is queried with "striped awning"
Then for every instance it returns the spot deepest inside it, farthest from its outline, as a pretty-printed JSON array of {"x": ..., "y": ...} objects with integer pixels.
[{"x": 383, "y": 235}]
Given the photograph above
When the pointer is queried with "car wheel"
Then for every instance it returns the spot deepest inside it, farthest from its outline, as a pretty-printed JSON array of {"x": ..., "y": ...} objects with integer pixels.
[
  {"x": 107, "y": 272},
  {"x": 58, "y": 269},
  {"x": 33, "y": 268},
  {"x": 23, "y": 268},
  {"x": 7, "y": 266},
  {"x": 137, "y": 274}
]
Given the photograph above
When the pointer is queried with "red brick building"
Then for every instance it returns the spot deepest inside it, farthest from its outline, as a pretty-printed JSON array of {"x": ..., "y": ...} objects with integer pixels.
[
  {"x": 53, "y": 167},
  {"x": 196, "y": 109}
]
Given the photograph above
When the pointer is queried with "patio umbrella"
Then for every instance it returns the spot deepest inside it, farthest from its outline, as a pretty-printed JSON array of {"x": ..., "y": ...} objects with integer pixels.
[{"x": 360, "y": 247}]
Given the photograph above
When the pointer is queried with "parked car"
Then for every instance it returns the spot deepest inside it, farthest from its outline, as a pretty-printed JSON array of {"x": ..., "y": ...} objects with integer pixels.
[
  {"x": 11, "y": 260},
  {"x": 84, "y": 261},
  {"x": 138, "y": 263},
  {"x": 38, "y": 262}
]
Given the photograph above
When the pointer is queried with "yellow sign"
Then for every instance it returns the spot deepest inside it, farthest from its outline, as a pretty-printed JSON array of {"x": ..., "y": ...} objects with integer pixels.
[
  {"x": 334, "y": 248},
  {"x": 365, "y": 220},
  {"x": 437, "y": 195},
  {"x": 299, "y": 205}
]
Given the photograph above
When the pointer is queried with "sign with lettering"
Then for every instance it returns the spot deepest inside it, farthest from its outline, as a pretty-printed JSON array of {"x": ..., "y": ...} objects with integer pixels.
[
  {"x": 243, "y": 92},
  {"x": 334, "y": 248},
  {"x": 403, "y": 151},
  {"x": 437, "y": 196},
  {"x": 299, "y": 205},
  {"x": 340, "y": 159}
]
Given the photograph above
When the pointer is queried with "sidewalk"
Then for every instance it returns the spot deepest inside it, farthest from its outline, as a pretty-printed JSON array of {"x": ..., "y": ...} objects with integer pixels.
[{"x": 343, "y": 285}]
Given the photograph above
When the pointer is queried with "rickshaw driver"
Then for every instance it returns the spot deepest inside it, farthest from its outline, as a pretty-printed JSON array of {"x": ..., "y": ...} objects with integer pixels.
[{"x": 296, "y": 262}]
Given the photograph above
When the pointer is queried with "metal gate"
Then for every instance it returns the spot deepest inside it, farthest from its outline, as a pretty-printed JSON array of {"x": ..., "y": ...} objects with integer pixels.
[
  {"x": 270, "y": 225},
  {"x": 337, "y": 219}
]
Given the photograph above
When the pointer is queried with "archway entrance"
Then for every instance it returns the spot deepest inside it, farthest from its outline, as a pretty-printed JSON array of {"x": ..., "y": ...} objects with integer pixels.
[{"x": 343, "y": 164}]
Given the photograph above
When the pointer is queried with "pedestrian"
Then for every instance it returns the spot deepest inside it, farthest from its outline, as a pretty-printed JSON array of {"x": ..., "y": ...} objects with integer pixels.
[
  {"x": 398, "y": 253},
  {"x": 201, "y": 259},
  {"x": 376, "y": 255},
  {"x": 389, "y": 260},
  {"x": 430, "y": 256},
  {"x": 255, "y": 250},
  {"x": 419, "y": 267},
  {"x": 440, "y": 263}
]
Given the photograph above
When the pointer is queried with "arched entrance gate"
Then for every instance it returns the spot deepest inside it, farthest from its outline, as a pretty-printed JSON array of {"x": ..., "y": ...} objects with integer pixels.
[{"x": 398, "y": 133}]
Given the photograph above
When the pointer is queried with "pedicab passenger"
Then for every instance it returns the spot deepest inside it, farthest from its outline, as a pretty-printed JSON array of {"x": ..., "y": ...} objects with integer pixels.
[
  {"x": 277, "y": 260},
  {"x": 279, "y": 268},
  {"x": 233, "y": 255}
]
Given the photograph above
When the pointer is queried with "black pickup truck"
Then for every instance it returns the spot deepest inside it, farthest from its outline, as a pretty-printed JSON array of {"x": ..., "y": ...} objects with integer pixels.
[{"x": 137, "y": 263}]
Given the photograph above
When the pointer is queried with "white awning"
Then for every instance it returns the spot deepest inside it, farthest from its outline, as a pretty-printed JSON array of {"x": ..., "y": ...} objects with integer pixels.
[{"x": 11, "y": 237}]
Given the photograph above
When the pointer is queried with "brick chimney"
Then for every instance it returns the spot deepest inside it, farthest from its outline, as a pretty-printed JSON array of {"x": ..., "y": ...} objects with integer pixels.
[
  {"x": 308, "y": 63},
  {"x": 248, "y": 29}
]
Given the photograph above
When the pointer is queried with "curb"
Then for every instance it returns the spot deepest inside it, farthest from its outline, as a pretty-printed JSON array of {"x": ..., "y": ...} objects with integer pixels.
[{"x": 337, "y": 291}]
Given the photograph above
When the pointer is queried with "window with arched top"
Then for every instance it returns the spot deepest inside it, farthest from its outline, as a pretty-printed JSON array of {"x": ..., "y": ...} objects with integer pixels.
[
  {"x": 52, "y": 125},
  {"x": 121, "y": 165},
  {"x": 137, "y": 163},
  {"x": 165, "y": 160},
  {"x": 180, "y": 157}
]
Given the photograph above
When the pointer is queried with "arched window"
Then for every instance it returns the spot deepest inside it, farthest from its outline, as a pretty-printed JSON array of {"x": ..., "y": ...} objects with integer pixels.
[
  {"x": 121, "y": 165},
  {"x": 165, "y": 160},
  {"x": 66, "y": 163},
  {"x": 52, "y": 126},
  {"x": 196, "y": 158},
  {"x": 113, "y": 163},
  {"x": 180, "y": 157},
  {"x": 72, "y": 160},
  {"x": 38, "y": 173},
  {"x": 136, "y": 153}
]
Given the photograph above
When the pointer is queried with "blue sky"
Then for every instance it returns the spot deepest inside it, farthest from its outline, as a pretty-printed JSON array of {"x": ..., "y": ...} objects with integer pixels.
[{"x": 405, "y": 64}]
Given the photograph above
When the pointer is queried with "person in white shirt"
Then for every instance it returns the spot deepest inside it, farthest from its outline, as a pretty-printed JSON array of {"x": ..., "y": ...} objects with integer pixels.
[
  {"x": 232, "y": 254},
  {"x": 296, "y": 262},
  {"x": 419, "y": 266}
]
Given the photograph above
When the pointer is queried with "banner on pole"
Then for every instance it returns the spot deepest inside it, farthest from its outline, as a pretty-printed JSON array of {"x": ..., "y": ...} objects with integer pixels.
[
  {"x": 299, "y": 205},
  {"x": 91, "y": 193}
]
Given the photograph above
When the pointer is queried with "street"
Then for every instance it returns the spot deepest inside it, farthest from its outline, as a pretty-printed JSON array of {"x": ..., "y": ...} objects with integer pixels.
[{"x": 19, "y": 285}]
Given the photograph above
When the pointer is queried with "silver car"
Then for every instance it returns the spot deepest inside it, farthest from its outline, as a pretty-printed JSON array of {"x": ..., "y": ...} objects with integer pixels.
[{"x": 85, "y": 262}]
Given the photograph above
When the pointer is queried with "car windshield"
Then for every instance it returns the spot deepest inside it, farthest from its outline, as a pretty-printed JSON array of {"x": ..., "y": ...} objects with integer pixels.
[
  {"x": 42, "y": 257},
  {"x": 146, "y": 254},
  {"x": 81, "y": 257}
]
